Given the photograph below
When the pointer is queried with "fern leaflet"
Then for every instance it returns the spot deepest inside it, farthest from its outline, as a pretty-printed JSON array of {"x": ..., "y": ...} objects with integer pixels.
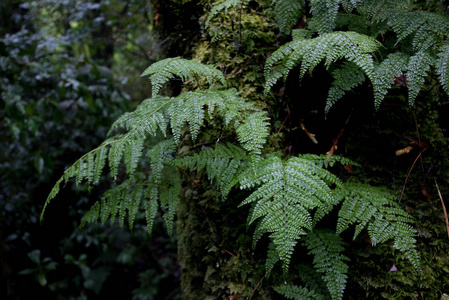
[
  {"x": 287, "y": 12},
  {"x": 377, "y": 210},
  {"x": 329, "y": 47},
  {"x": 386, "y": 72},
  {"x": 161, "y": 71},
  {"x": 442, "y": 67},
  {"x": 345, "y": 79},
  {"x": 419, "y": 65},
  {"x": 296, "y": 292},
  {"x": 326, "y": 248},
  {"x": 222, "y": 165},
  {"x": 286, "y": 194}
]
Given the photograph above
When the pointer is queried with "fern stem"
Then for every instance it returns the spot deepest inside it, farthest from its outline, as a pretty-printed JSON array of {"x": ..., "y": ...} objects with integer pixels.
[
  {"x": 257, "y": 285},
  {"x": 444, "y": 207}
]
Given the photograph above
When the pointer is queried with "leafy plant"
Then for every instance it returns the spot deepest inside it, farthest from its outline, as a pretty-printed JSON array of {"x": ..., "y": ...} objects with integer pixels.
[{"x": 290, "y": 195}]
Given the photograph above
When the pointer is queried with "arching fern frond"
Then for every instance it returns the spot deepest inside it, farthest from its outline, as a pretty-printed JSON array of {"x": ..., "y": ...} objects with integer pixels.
[
  {"x": 161, "y": 155},
  {"x": 161, "y": 71},
  {"x": 287, "y": 12},
  {"x": 330, "y": 47},
  {"x": 345, "y": 79},
  {"x": 385, "y": 73},
  {"x": 285, "y": 196},
  {"x": 222, "y": 165},
  {"x": 418, "y": 66},
  {"x": 442, "y": 67},
  {"x": 326, "y": 247},
  {"x": 119, "y": 201},
  {"x": 296, "y": 292},
  {"x": 377, "y": 210},
  {"x": 324, "y": 14},
  {"x": 253, "y": 132}
]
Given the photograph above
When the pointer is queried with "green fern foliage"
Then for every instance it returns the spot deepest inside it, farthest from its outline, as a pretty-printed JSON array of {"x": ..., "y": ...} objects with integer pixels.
[
  {"x": 286, "y": 194},
  {"x": 376, "y": 209},
  {"x": 161, "y": 155},
  {"x": 326, "y": 247},
  {"x": 287, "y": 12},
  {"x": 418, "y": 67},
  {"x": 330, "y": 47},
  {"x": 253, "y": 132},
  {"x": 296, "y": 292},
  {"x": 346, "y": 79},
  {"x": 223, "y": 165},
  {"x": 442, "y": 67},
  {"x": 119, "y": 201},
  {"x": 161, "y": 71},
  {"x": 324, "y": 14},
  {"x": 385, "y": 73}
]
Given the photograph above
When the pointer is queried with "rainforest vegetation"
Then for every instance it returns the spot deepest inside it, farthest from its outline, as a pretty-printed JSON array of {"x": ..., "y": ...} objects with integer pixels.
[{"x": 238, "y": 149}]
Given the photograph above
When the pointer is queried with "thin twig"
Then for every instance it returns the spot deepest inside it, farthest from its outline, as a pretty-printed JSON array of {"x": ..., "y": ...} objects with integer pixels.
[
  {"x": 408, "y": 174},
  {"x": 213, "y": 233},
  {"x": 282, "y": 125},
  {"x": 257, "y": 285},
  {"x": 444, "y": 207}
]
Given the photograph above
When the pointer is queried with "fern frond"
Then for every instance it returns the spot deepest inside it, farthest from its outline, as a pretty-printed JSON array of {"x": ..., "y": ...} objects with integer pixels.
[
  {"x": 169, "y": 199},
  {"x": 313, "y": 281},
  {"x": 442, "y": 67},
  {"x": 287, "y": 12},
  {"x": 151, "y": 206},
  {"x": 160, "y": 154},
  {"x": 324, "y": 14},
  {"x": 377, "y": 210},
  {"x": 326, "y": 247},
  {"x": 122, "y": 200},
  {"x": 222, "y": 165},
  {"x": 345, "y": 79},
  {"x": 253, "y": 132},
  {"x": 161, "y": 71},
  {"x": 272, "y": 258},
  {"x": 418, "y": 66},
  {"x": 285, "y": 195},
  {"x": 350, "y": 5},
  {"x": 296, "y": 292},
  {"x": 386, "y": 72},
  {"x": 147, "y": 119},
  {"x": 330, "y": 47}
]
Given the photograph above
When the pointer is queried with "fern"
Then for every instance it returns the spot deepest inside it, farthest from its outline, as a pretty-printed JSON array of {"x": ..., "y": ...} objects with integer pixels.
[
  {"x": 161, "y": 71},
  {"x": 345, "y": 79},
  {"x": 324, "y": 14},
  {"x": 386, "y": 72},
  {"x": 160, "y": 156},
  {"x": 329, "y": 47},
  {"x": 119, "y": 200},
  {"x": 222, "y": 165},
  {"x": 326, "y": 247},
  {"x": 286, "y": 195},
  {"x": 442, "y": 67},
  {"x": 296, "y": 292},
  {"x": 253, "y": 132},
  {"x": 418, "y": 67},
  {"x": 287, "y": 12},
  {"x": 377, "y": 210}
]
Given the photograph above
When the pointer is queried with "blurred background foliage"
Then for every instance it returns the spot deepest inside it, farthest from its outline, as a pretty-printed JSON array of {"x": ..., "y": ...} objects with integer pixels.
[{"x": 68, "y": 69}]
